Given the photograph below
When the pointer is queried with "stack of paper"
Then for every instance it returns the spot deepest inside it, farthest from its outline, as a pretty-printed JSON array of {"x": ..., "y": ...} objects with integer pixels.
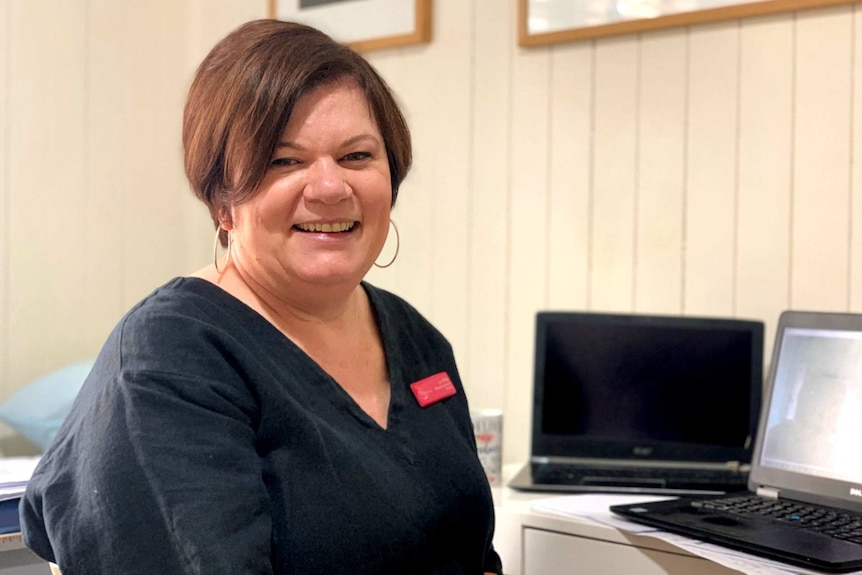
[{"x": 15, "y": 472}]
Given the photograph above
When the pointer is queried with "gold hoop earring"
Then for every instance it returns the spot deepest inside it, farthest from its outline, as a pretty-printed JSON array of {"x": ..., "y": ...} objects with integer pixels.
[
  {"x": 397, "y": 246},
  {"x": 215, "y": 249}
]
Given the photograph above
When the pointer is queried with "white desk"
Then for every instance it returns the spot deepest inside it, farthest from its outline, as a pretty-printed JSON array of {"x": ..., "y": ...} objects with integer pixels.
[{"x": 535, "y": 543}]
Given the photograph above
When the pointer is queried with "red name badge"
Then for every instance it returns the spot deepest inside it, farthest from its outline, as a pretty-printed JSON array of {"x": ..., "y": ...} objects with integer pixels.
[{"x": 432, "y": 389}]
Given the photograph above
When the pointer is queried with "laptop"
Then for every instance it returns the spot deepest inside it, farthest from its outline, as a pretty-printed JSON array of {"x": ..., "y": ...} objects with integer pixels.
[
  {"x": 633, "y": 403},
  {"x": 804, "y": 499}
]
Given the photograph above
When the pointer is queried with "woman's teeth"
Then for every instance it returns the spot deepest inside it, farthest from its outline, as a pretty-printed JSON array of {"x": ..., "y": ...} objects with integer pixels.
[{"x": 326, "y": 228}]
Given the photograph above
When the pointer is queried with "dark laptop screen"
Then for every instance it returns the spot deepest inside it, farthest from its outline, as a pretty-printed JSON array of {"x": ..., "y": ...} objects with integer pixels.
[
  {"x": 814, "y": 420},
  {"x": 614, "y": 380}
]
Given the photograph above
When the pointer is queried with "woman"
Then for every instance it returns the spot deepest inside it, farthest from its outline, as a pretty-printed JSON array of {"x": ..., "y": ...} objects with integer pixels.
[{"x": 273, "y": 413}]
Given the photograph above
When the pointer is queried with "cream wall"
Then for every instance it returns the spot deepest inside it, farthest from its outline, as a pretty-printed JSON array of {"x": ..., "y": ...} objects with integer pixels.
[
  {"x": 94, "y": 208},
  {"x": 706, "y": 170}
]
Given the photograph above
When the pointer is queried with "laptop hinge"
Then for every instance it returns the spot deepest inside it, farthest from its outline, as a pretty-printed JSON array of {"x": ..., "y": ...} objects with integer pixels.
[
  {"x": 628, "y": 462},
  {"x": 767, "y": 492}
]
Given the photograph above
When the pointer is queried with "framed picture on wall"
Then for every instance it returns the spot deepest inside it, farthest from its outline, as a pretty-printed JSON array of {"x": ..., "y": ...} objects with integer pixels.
[
  {"x": 362, "y": 24},
  {"x": 554, "y": 21}
]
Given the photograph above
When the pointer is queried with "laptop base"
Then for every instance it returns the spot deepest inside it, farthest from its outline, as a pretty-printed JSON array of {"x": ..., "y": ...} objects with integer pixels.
[
  {"x": 531, "y": 477},
  {"x": 794, "y": 546}
]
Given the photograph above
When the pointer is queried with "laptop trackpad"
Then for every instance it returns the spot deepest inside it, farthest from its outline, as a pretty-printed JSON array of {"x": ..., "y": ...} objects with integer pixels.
[{"x": 722, "y": 520}]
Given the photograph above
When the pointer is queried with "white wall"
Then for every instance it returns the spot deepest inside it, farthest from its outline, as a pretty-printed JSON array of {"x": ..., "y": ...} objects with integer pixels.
[
  {"x": 706, "y": 170},
  {"x": 94, "y": 208}
]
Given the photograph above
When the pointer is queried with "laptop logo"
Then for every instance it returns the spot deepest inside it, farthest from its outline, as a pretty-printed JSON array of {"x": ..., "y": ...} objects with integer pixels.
[
  {"x": 644, "y": 451},
  {"x": 856, "y": 492}
]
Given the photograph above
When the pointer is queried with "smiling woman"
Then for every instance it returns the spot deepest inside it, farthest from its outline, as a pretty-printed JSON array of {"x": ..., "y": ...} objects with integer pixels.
[{"x": 274, "y": 399}]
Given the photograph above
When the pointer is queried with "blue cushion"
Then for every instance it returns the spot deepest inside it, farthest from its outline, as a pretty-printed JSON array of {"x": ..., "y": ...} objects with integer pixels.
[{"x": 38, "y": 409}]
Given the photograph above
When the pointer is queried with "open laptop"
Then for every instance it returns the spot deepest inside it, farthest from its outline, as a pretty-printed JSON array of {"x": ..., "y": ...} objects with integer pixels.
[
  {"x": 631, "y": 403},
  {"x": 804, "y": 504}
]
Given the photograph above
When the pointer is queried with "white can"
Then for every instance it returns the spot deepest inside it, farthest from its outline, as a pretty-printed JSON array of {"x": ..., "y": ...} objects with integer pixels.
[{"x": 488, "y": 428}]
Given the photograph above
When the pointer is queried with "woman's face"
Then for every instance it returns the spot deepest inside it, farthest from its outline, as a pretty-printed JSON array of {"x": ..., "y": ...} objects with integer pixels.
[{"x": 321, "y": 213}]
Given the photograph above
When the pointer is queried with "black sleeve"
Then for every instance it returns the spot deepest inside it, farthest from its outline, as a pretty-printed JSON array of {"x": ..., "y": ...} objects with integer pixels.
[
  {"x": 153, "y": 472},
  {"x": 493, "y": 563}
]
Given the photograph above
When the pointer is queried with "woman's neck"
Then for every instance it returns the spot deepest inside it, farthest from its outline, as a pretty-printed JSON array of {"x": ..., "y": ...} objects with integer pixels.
[{"x": 295, "y": 307}]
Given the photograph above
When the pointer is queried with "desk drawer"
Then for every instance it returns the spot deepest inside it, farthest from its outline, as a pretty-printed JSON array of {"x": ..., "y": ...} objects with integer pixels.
[{"x": 550, "y": 553}]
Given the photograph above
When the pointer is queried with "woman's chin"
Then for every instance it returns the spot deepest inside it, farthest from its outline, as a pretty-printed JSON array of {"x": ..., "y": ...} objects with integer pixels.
[{"x": 333, "y": 275}]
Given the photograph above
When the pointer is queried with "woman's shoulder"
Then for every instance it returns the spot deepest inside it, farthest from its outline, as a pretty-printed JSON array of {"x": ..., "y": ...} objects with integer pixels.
[
  {"x": 179, "y": 294},
  {"x": 386, "y": 303},
  {"x": 184, "y": 335},
  {"x": 383, "y": 298},
  {"x": 397, "y": 314},
  {"x": 183, "y": 313},
  {"x": 184, "y": 299}
]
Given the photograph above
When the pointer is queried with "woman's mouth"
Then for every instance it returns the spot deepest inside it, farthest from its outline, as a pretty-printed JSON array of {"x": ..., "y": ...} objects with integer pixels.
[{"x": 326, "y": 228}]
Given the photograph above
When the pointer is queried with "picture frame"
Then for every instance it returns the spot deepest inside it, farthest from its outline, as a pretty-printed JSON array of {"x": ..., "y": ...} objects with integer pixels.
[
  {"x": 364, "y": 25},
  {"x": 542, "y": 22}
]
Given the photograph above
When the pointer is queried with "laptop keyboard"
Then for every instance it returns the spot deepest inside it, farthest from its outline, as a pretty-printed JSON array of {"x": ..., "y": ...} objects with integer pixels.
[
  {"x": 834, "y": 522},
  {"x": 647, "y": 477}
]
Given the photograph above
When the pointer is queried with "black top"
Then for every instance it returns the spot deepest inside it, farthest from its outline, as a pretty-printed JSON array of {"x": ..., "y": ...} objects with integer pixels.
[{"x": 206, "y": 442}]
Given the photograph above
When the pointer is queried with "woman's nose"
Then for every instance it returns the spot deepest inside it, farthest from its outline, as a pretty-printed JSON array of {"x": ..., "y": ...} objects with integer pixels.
[{"x": 326, "y": 182}]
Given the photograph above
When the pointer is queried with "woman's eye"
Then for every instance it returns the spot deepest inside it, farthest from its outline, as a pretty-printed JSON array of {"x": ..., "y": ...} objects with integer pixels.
[
  {"x": 357, "y": 156},
  {"x": 282, "y": 162}
]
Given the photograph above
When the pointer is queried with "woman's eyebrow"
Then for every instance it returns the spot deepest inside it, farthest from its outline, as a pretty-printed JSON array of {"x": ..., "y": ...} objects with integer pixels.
[
  {"x": 348, "y": 142},
  {"x": 289, "y": 144},
  {"x": 359, "y": 138}
]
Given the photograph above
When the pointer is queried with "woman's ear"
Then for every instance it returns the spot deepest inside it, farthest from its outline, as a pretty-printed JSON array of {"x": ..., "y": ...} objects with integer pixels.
[{"x": 225, "y": 218}]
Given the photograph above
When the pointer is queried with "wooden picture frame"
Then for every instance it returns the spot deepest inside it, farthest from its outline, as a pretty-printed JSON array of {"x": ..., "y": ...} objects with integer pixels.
[
  {"x": 363, "y": 25},
  {"x": 540, "y": 29}
]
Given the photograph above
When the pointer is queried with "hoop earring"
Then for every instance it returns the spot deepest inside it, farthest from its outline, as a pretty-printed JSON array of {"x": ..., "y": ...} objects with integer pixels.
[
  {"x": 215, "y": 249},
  {"x": 397, "y": 246}
]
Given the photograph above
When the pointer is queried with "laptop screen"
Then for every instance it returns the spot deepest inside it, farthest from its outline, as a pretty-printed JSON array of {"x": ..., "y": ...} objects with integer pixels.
[
  {"x": 814, "y": 421},
  {"x": 631, "y": 386},
  {"x": 808, "y": 444}
]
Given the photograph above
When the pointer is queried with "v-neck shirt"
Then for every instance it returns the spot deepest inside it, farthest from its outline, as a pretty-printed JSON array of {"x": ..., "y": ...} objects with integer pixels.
[{"x": 205, "y": 441}]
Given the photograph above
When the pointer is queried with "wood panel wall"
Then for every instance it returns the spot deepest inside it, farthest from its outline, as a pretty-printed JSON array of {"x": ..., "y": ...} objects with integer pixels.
[
  {"x": 94, "y": 208},
  {"x": 701, "y": 171}
]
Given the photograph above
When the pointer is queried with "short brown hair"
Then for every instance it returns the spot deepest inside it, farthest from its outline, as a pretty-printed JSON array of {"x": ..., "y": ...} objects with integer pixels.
[{"x": 244, "y": 92}]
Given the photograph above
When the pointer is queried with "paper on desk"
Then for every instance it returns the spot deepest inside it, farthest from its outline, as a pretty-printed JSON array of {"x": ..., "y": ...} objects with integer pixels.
[
  {"x": 595, "y": 507},
  {"x": 738, "y": 560},
  {"x": 15, "y": 472}
]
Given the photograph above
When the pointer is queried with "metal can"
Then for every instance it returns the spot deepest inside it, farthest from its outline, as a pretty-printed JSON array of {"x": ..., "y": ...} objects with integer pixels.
[{"x": 488, "y": 428}]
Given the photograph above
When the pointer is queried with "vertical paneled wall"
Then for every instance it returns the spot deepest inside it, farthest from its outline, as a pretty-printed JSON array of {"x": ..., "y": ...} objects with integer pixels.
[
  {"x": 711, "y": 170},
  {"x": 91, "y": 179},
  {"x": 701, "y": 171},
  {"x": 94, "y": 208},
  {"x": 45, "y": 167},
  {"x": 709, "y": 174},
  {"x": 5, "y": 279}
]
